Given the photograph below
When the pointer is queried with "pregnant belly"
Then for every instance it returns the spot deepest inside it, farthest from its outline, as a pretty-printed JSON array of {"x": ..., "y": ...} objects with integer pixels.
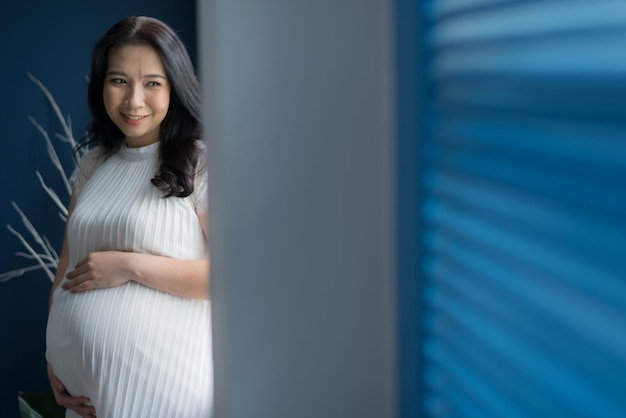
[{"x": 102, "y": 341}]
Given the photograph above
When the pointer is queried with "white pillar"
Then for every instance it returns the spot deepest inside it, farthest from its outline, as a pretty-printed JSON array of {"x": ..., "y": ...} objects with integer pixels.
[{"x": 298, "y": 105}]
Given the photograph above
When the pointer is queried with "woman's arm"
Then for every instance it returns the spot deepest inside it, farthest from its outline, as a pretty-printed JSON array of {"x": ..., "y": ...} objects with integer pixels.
[
  {"x": 78, "y": 404},
  {"x": 186, "y": 278},
  {"x": 63, "y": 257}
]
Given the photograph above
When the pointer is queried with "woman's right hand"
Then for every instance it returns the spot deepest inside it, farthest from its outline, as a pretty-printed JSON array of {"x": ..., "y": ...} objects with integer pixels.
[{"x": 78, "y": 404}]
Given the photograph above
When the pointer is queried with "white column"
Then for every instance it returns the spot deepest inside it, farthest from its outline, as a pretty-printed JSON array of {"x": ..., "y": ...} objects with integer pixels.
[{"x": 298, "y": 106}]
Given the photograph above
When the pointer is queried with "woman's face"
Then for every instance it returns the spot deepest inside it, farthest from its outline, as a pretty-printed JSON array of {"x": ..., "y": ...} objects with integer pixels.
[{"x": 136, "y": 93}]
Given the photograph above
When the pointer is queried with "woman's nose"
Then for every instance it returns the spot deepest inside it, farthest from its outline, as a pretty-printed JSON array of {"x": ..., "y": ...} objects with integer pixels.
[{"x": 134, "y": 97}]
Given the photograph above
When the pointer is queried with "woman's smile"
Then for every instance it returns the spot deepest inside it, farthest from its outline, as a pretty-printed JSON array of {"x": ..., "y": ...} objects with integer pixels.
[
  {"x": 136, "y": 93},
  {"x": 133, "y": 119}
]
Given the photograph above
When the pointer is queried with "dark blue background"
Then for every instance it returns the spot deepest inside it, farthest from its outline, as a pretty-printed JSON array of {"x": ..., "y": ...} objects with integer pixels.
[{"x": 53, "y": 41}]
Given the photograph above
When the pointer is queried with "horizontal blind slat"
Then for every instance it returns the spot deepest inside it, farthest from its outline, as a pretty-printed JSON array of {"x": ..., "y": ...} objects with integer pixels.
[
  {"x": 523, "y": 171},
  {"x": 503, "y": 293},
  {"x": 570, "y": 142},
  {"x": 529, "y": 363},
  {"x": 529, "y": 18},
  {"x": 577, "y": 54},
  {"x": 532, "y": 100},
  {"x": 538, "y": 255},
  {"x": 541, "y": 217}
]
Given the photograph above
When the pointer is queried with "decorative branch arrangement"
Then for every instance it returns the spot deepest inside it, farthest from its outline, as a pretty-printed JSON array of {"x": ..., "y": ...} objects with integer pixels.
[{"x": 37, "y": 246}]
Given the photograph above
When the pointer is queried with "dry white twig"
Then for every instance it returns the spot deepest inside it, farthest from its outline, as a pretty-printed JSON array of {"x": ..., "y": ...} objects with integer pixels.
[
  {"x": 55, "y": 255},
  {"x": 20, "y": 272},
  {"x": 53, "y": 196},
  {"x": 52, "y": 153},
  {"x": 33, "y": 231},
  {"x": 48, "y": 258},
  {"x": 67, "y": 127},
  {"x": 34, "y": 253},
  {"x": 29, "y": 256}
]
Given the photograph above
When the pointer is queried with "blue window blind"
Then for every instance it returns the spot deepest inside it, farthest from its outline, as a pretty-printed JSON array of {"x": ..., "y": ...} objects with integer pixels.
[{"x": 522, "y": 210}]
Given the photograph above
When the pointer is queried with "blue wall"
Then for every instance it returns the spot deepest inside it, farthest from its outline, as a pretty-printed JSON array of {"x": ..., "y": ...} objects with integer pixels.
[
  {"x": 53, "y": 41},
  {"x": 408, "y": 54}
]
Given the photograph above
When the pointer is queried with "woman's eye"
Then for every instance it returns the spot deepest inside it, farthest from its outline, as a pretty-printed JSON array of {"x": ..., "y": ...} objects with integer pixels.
[
  {"x": 153, "y": 84},
  {"x": 118, "y": 81}
]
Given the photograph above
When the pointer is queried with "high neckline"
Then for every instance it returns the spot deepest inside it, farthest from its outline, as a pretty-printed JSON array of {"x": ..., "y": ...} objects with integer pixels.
[{"x": 139, "y": 153}]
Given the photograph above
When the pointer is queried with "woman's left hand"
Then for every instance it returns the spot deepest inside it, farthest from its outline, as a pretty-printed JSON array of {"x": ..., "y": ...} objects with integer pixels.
[{"x": 99, "y": 270}]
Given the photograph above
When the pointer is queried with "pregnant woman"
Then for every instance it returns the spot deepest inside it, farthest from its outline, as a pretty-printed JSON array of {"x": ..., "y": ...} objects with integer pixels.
[{"x": 129, "y": 325}]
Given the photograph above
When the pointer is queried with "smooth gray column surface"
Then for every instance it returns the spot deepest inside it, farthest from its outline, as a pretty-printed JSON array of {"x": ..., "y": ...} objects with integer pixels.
[{"x": 298, "y": 126}]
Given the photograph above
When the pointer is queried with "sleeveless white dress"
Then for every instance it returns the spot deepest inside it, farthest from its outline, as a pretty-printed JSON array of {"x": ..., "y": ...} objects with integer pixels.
[{"x": 134, "y": 351}]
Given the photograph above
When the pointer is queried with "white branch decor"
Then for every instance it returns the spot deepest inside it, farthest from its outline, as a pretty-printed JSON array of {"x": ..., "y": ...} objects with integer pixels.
[
  {"x": 38, "y": 248},
  {"x": 52, "y": 153},
  {"x": 67, "y": 126}
]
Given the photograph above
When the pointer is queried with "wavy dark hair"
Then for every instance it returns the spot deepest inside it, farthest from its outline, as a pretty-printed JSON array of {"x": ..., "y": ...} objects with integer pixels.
[{"x": 180, "y": 129}]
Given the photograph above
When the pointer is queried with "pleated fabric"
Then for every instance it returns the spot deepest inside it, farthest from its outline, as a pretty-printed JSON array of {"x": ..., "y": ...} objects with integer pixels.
[{"x": 134, "y": 351}]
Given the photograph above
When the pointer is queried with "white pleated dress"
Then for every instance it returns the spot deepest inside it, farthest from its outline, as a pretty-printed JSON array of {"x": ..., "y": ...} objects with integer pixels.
[{"x": 134, "y": 351}]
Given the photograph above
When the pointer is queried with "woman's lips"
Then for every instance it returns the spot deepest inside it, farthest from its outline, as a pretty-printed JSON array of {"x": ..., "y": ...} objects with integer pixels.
[{"x": 132, "y": 119}]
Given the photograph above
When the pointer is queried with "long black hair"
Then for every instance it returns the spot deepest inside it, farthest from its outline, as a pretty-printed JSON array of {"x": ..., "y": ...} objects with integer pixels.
[{"x": 180, "y": 129}]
